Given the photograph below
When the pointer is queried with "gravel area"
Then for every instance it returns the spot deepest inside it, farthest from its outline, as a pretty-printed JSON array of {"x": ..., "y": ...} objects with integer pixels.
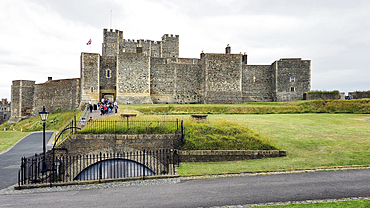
[{"x": 11, "y": 190}]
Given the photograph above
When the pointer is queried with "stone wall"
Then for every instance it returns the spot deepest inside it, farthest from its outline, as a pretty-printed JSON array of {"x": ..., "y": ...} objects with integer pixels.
[
  {"x": 108, "y": 72},
  {"x": 5, "y": 110},
  {"x": 258, "y": 83},
  {"x": 146, "y": 71},
  {"x": 63, "y": 94},
  {"x": 22, "y": 92},
  {"x": 172, "y": 82},
  {"x": 133, "y": 78},
  {"x": 321, "y": 96},
  {"x": 358, "y": 95},
  {"x": 221, "y": 78},
  {"x": 81, "y": 144},
  {"x": 297, "y": 69},
  {"x": 227, "y": 155},
  {"x": 90, "y": 85}
]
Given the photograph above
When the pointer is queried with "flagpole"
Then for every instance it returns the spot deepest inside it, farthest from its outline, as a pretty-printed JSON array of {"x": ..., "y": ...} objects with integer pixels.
[
  {"x": 110, "y": 23},
  {"x": 90, "y": 45}
]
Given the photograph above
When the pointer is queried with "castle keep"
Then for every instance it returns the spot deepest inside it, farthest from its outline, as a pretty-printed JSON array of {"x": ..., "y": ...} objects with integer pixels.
[{"x": 145, "y": 71}]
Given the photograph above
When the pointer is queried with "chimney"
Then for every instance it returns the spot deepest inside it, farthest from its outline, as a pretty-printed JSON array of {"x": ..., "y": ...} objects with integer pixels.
[
  {"x": 50, "y": 78},
  {"x": 201, "y": 55},
  {"x": 228, "y": 49},
  {"x": 244, "y": 59},
  {"x": 3, "y": 101}
]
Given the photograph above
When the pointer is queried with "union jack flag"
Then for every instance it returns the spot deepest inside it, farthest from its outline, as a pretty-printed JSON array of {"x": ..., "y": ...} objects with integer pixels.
[{"x": 89, "y": 42}]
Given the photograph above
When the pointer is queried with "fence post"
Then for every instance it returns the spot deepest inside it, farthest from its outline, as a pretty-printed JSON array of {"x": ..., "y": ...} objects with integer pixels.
[
  {"x": 100, "y": 168},
  {"x": 19, "y": 179},
  {"x": 173, "y": 161},
  {"x": 143, "y": 163},
  {"x": 182, "y": 131}
]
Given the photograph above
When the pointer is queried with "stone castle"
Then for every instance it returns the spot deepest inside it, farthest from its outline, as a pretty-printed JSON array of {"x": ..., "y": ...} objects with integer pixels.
[{"x": 146, "y": 71}]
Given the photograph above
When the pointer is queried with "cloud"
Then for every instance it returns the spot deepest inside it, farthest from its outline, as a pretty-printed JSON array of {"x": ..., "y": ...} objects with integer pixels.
[{"x": 44, "y": 38}]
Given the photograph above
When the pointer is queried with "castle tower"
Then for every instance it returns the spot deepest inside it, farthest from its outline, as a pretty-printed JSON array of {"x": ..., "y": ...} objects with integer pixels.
[
  {"x": 90, "y": 84},
  {"x": 293, "y": 78},
  {"x": 170, "y": 46},
  {"x": 22, "y": 92},
  {"x": 111, "y": 42},
  {"x": 221, "y": 78}
]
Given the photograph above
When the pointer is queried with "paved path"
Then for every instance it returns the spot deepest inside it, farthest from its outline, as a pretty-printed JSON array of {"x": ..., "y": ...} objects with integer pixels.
[
  {"x": 208, "y": 192},
  {"x": 10, "y": 161}
]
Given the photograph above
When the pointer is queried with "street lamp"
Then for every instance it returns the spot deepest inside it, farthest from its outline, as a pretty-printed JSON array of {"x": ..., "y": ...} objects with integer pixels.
[{"x": 44, "y": 116}]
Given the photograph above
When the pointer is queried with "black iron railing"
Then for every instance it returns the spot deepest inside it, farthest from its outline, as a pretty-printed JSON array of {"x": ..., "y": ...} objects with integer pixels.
[
  {"x": 132, "y": 127},
  {"x": 59, "y": 169}
]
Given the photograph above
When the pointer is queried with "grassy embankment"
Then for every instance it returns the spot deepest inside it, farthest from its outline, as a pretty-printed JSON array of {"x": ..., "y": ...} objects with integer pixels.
[
  {"x": 311, "y": 140},
  {"x": 219, "y": 134},
  {"x": 361, "y": 106},
  {"x": 7, "y": 139},
  {"x": 14, "y": 132}
]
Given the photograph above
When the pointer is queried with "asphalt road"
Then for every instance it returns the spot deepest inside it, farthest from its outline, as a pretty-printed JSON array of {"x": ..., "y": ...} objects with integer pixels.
[
  {"x": 10, "y": 161},
  {"x": 209, "y": 192}
]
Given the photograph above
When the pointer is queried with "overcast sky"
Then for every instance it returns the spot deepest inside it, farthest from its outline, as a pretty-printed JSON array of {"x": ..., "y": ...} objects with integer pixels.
[{"x": 43, "y": 38}]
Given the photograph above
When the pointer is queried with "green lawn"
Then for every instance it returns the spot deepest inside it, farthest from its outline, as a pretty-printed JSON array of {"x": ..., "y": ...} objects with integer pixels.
[
  {"x": 311, "y": 140},
  {"x": 8, "y": 138}
]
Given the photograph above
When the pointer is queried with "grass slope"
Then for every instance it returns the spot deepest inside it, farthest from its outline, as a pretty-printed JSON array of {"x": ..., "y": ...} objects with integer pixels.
[
  {"x": 55, "y": 121},
  {"x": 358, "y": 106},
  {"x": 8, "y": 138},
  {"x": 14, "y": 132},
  {"x": 223, "y": 135},
  {"x": 311, "y": 140}
]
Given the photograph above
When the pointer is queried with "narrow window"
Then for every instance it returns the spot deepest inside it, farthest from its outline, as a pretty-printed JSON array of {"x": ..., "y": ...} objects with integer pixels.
[
  {"x": 292, "y": 89},
  {"x": 92, "y": 89},
  {"x": 108, "y": 73},
  {"x": 292, "y": 79}
]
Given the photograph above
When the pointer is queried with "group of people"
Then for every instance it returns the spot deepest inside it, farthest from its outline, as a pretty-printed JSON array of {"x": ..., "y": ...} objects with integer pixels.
[{"x": 105, "y": 107}]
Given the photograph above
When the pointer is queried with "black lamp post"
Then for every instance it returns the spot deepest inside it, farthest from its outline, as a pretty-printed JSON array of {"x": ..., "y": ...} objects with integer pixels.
[{"x": 44, "y": 116}]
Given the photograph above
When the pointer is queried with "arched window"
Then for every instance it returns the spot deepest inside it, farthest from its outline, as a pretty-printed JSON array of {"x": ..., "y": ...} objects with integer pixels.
[{"x": 108, "y": 73}]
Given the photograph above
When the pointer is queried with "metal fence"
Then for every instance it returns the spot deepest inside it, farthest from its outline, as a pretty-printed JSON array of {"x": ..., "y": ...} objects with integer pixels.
[
  {"x": 59, "y": 169},
  {"x": 133, "y": 127}
]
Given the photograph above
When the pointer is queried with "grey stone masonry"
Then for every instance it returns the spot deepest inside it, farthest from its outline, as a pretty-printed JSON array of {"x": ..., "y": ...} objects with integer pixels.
[
  {"x": 146, "y": 71},
  {"x": 5, "y": 110},
  {"x": 293, "y": 78},
  {"x": 222, "y": 78}
]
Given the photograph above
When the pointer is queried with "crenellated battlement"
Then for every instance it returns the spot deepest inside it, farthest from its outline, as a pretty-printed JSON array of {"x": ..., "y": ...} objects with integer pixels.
[
  {"x": 140, "y": 41},
  {"x": 170, "y": 37},
  {"x": 147, "y": 71}
]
